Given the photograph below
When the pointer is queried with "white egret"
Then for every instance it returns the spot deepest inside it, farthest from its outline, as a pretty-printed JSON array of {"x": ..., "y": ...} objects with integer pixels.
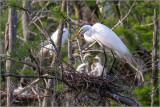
[
  {"x": 84, "y": 67},
  {"x": 108, "y": 39},
  {"x": 49, "y": 47},
  {"x": 97, "y": 68}
]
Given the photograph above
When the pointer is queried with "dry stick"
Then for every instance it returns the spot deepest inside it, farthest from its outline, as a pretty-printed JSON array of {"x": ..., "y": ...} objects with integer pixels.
[
  {"x": 90, "y": 45},
  {"x": 150, "y": 24},
  {"x": 38, "y": 96},
  {"x": 30, "y": 85},
  {"x": 69, "y": 35},
  {"x": 120, "y": 21},
  {"x": 154, "y": 73},
  {"x": 31, "y": 64},
  {"x": 80, "y": 49}
]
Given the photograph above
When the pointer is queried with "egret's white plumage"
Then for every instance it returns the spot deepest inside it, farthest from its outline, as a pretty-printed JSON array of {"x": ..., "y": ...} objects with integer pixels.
[
  {"x": 108, "y": 39},
  {"x": 88, "y": 38},
  {"x": 97, "y": 68},
  {"x": 49, "y": 47},
  {"x": 84, "y": 67}
]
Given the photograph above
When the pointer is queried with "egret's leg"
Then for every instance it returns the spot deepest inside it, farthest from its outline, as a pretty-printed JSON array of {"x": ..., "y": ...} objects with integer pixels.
[
  {"x": 113, "y": 61},
  {"x": 104, "y": 61}
]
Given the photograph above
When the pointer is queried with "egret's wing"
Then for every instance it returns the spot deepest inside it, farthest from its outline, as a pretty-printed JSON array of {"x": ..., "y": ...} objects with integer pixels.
[
  {"x": 54, "y": 36},
  {"x": 80, "y": 67},
  {"x": 108, "y": 38},
  {"x": 64, "y": 36}
]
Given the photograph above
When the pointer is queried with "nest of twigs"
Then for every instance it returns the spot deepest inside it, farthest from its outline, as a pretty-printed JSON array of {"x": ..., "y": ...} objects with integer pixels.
[{"x": 92, "y": 83}]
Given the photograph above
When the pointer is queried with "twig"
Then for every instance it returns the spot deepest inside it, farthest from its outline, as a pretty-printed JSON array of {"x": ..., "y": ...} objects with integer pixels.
[
  {"x": 31, "y": 64},
  {"x": 80, "y": 49},
  {"x": 150, "y": 24},
  {"x": 120, "y": 21},
  {"x": 38, "y": 96},
  {"x": 30, "y": 85}
]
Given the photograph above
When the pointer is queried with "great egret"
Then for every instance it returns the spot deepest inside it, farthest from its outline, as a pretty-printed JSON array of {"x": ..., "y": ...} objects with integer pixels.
[
  {"x": 97, "y": 68},
  {"x": 49, "y": 47},
  {"x": 108, "y": 39},
  {"x": 84, "y": 67}
]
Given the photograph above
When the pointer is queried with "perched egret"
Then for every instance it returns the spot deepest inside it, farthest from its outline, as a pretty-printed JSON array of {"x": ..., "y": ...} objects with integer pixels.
[
  {"x": 49, "y": 47},
  {"x": 84, "y": 67},
  {"x": 108, "y": 39},
  {"x": 97, "y": 68}
]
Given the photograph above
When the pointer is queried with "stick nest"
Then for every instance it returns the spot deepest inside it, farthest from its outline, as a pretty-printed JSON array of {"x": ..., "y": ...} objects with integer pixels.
[{"x": 91, "y": 83}]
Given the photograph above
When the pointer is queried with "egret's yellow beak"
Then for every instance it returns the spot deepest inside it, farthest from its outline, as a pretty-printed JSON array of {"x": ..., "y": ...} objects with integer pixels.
[{"x": 77, "y": 34}]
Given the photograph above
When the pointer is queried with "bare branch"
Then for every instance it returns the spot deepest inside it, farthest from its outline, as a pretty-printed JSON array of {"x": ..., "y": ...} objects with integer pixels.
[{"x": 120, "y": 21}]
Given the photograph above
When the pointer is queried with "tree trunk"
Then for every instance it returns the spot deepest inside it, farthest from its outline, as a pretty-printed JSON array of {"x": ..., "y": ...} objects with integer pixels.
[
  {"x": 154, "y": 74},
  {"x": 47, "y": 101},
  {"x": 60, "y": 32},
  {"x": 77, "y": 11},
  {"x": 26, "y": 20},
  {"x": 10, "y": 39},
  {"x": 117, "y": 9},
  {"x": 69, "y": 35},
  {"x": 25, "y": 25}
]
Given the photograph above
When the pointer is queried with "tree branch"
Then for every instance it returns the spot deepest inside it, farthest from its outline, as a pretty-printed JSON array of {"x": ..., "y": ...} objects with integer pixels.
[{"x": 120, "y": 21}]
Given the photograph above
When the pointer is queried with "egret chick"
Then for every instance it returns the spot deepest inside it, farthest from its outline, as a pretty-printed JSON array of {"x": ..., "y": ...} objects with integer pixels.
[
  {"x": 97, "y": 68},
  {"x": 19, "y": 89},
  {"x": 49, "y": 47},
  {"x": 84, "y": 67}
]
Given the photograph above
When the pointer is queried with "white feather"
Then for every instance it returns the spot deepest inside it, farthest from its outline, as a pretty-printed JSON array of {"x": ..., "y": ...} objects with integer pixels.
[{"x": 49, "y": 47}]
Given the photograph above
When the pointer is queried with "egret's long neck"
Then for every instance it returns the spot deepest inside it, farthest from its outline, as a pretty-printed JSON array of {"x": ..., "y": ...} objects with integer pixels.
[{"x": 88, "y": 33}]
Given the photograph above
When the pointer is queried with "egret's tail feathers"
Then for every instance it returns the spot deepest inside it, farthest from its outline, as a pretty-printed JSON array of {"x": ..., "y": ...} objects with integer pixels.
[
  {"x": 139, "y": 75},
  {"x": 43, "y": 51},
  {"x": 130, "y": 59},
  {"x": 132, "y": 62}
]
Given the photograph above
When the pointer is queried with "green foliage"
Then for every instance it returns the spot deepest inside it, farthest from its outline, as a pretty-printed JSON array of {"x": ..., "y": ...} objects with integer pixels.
[
  {"x": 145, "y": 98},
  {"x": 58, "y": 13},
  {"x": 13, "y": 3},
  {"x": 145, "y": 35},
  {"x": 22, "y": 51},
  {"x": 90, "y": 3},
  {"x": 60, "y": 87},
  {"x": 28, "y": 72},
  {"x": 129, "y": 36}
]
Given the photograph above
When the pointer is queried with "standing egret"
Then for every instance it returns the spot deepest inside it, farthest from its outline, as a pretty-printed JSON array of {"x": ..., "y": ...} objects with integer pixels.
[
  {"x": 108, "y": 39},
  {"x": 84, "y": 67},
  {"x": 49, "y": 47},
  {"x": 97, "y": 68}
]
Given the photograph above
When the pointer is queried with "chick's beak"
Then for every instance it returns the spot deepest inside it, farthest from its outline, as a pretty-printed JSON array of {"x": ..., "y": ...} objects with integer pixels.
[
  {"x": 77, "y": 34},
  {"x": 94, "y": 60}
]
